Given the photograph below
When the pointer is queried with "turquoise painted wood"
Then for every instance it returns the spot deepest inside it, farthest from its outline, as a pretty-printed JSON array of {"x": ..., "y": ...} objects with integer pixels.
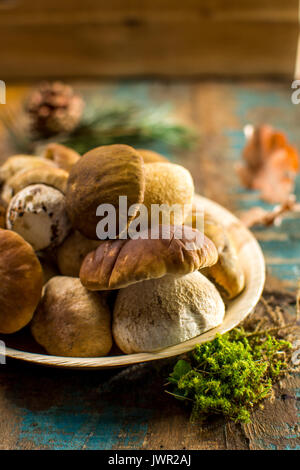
[
  {"x": 55, "y": 409},
  {"x": 281, "y": 246}
]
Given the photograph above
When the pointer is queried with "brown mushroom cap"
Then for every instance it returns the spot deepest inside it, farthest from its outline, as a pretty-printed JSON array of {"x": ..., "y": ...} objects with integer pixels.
[
  {"x": 51, "y": 176},
  {"x": 149, "y": 156},
  {"x": 21, "y": 281},
  {"x": 100, "y": 177},
  {"x": 49, "y": 269},
  {"x": 3, "y": 208},
  {"x": 72, "y": 251},
  {"x": 119, "y": 263},
  {"x": 63, "y": 156},
  {"x": 170, "y": 184},
  {"x": 18, "y": 163},
  {"x": 71, "y": 321}
]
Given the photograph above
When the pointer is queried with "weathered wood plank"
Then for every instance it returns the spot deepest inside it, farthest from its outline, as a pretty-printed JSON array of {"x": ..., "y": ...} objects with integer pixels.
[
  {"x": 170, "y": 38},
  {"x": 98, "y": 12},
  {"x": 46, "y": 408},
  {"x": 127, "y": 409}
]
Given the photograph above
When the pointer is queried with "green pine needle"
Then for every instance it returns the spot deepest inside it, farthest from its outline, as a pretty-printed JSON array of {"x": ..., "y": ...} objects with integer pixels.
[
  {"x": 128, "y": 124},
  {"x": 112, "y": 123}
]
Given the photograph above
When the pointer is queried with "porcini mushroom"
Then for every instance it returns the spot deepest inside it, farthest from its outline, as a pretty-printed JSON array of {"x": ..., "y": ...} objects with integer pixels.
[
  {"x": 72, "y": 251},
  {"x": 100, "y": 177},
  {"x": 149, "y": 156},
  {"x": 51, "y": 176},
  {"x": 227, "y": 273},
  {"x": 159, "y": 313},
  {"x": 170, "y": 184},
  {"x": 3, "y": 207},
  {"x": 21, "y": 281},
  {"x": 71, "y": 321},
  {"x": 38, "y": 214},
  {"x": 119, "y": 263},
  {"x": 62, "y": 156},
  {"x": 18, "y": 163}
]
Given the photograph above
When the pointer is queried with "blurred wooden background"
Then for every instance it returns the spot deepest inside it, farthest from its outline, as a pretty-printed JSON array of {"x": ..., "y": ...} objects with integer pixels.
[{"x": 161, "y": 38}]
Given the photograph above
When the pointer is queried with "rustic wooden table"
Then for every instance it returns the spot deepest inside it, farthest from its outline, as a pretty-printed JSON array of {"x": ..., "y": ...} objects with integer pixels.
[{"x": 43, "y": 408}]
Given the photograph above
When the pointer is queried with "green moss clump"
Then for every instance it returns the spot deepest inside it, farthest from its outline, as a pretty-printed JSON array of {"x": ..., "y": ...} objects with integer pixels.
[{"x": 230, "y": 374}]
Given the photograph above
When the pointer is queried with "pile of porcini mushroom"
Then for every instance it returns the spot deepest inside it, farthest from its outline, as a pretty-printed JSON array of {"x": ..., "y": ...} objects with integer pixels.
[{"x": 80, "y": 294}]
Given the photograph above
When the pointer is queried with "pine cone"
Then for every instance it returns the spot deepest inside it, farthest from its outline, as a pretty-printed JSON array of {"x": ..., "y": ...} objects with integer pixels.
[{"x": 53, "y": 108}]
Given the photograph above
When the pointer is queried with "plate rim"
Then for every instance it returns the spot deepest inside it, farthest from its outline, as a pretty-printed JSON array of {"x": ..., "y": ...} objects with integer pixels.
[{"x": 171, "y": 351}]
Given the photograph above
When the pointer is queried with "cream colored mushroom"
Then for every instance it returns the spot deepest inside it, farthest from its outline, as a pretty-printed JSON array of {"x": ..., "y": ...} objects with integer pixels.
[
  {"x": 155, "y": 314},
  {"x": 38, "y": 214}
]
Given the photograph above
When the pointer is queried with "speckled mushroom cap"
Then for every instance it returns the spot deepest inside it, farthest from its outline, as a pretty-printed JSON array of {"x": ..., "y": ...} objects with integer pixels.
[
  {"x": 159, "y": 313},
  {"x": 100, "y": 177},
  {"x": 119, "y": 263},
  {"x": 38, "y": 214},
  {"x": 21, "y": 281}
]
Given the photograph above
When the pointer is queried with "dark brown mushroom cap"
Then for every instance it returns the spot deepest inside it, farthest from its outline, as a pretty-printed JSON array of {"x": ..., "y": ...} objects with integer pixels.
[
  {"x": 119, "y": 263},
  {"x": 100, "y": 177},
  {"x": 3, "y": 209},
  {"x": 21, "y": 281}
]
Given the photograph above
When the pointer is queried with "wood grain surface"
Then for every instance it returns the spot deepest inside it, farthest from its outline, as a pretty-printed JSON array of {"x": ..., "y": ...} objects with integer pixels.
[
  {"x": 147, "y": 38},
  {"x": 44, "y": 408}
]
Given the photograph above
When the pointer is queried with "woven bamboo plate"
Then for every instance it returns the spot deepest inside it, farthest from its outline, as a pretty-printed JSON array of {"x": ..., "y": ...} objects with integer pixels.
[{"x": 21, "y": 346}]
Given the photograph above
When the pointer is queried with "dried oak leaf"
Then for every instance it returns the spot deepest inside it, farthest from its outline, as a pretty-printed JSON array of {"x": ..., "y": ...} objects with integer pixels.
[
  {"x": 259, "y": 216},
  {"x": 270, "y": 163}
]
